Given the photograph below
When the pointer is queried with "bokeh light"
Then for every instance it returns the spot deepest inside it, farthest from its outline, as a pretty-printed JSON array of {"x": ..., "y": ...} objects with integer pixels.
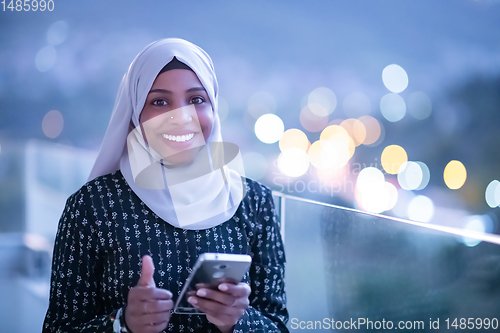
[
  {"x": 338, "y": 133},
  {"x": 269, "y": 128},
  {"x": 293, "y": 162},
  {"x": 261, "y": 103},
  {"x": 392, "y": 158},
  {"x": 52, "y": 124},
  {"x": 294, "y": 138},
  {"x": 255, "y": 165},
  {"x": 413, "y": 176},
  {"x": 455, "y": 175},
  {"x": 46, "y": 58},
  {"x": 356, "y": 130},
  {"x": 329, "y": 154},
  {"x": 356, "y": 104},
  {"x": 492, "y": 194},
  {"x": 334, "y": 132},
  {"x": 393, "y": 107},
  {"x": 372, "y": 192},
  {"x": 370, "y": 178},
  {"x": 421, "y": 209},
  {"x": 410, "y": 176},
  {"x": 426, "y": 175},
  {"x": 395, "y": 78},
  {"x": 322, "y": 101},
  {"x": 373, "y": 129},
  {"x": 57, "y": 33},
  {"x": 419, "y": 105},
  {"x": 311, "y": 121},
  {"x": 474, "y": 223},
  {"x": 393, "y": 195}
]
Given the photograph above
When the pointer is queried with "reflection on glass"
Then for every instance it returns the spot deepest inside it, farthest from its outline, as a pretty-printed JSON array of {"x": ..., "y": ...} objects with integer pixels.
[{"x": 344, "y": 264}]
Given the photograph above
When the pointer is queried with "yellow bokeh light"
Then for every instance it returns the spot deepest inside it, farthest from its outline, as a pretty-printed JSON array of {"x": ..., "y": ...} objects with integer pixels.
[
  {"x": 294, "y": 138},
  {"x": 334, "y": 132},
  {"x": 338, "y": 133},
  {"x": 373, "y": 129},
  {"x": 356, "y": 130},
  {"x": 455, "y": 175},
  {"x": 329, "y": 154},
  {"x": 393, "y": 157}
]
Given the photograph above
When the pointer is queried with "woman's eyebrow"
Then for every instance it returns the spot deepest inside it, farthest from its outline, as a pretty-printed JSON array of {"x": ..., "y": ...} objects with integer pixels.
[
  {"x": 196, "y": 89},
  {"x": 165, "y": 91}
]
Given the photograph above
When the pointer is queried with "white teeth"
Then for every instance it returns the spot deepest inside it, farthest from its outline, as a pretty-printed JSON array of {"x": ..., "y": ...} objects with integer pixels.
[{"x": 179, "y": 138}]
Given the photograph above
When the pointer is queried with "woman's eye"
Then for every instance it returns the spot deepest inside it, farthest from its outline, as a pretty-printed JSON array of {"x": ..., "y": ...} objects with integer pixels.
[
  {"x": 197, "y": 100},
  {"x": 159, "y": 102}
]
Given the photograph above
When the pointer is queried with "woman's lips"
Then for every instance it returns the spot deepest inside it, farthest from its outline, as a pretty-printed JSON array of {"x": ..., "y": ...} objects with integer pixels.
[
  {"x": 180, "y": 142},
  {"x": 179, "y": 138}
]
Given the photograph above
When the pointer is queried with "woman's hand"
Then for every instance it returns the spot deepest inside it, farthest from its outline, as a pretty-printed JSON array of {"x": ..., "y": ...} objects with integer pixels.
[
  {"x": 225, "y": 306},
  {"x": 148, "y": 308}
]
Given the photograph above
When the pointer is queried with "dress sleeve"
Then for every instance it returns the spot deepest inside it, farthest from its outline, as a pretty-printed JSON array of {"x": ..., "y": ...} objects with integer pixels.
[
  {"x": 267, "y": 311},
  {"x": 74, "y": 294}
]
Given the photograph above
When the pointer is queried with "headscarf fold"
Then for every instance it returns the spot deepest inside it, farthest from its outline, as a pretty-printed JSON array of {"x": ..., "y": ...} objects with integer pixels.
[{"x": 201, "y": 195}]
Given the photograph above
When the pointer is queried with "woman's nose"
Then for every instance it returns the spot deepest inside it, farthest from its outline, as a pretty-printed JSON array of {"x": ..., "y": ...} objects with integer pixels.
[{"x": 182, "y": 115}]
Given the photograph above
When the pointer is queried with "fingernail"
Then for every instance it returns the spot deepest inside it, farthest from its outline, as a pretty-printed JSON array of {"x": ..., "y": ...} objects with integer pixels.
[
  {"x": 201, "y": 293},
  {"x": 192, "y": 300},
  {"x": 223, "y": 287}
]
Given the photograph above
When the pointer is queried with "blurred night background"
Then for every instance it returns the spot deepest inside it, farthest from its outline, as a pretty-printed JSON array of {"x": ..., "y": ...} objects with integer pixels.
[{"x": 386, "y": 106}]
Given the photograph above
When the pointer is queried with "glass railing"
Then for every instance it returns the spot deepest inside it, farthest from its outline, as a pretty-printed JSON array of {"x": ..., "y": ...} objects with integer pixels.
[{"x": 348, "y": 270}]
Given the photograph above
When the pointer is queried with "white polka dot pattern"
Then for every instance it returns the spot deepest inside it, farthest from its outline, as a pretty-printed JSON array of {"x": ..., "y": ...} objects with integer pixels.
[{"x": 104, "y": 231}]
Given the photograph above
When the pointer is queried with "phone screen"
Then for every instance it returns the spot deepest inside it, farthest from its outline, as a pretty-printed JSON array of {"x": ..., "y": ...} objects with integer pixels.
[{"x": 210, "y": 270}]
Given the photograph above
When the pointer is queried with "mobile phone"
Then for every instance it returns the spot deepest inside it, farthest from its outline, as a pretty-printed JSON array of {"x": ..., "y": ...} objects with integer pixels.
[{"x": 211, "y": 269}]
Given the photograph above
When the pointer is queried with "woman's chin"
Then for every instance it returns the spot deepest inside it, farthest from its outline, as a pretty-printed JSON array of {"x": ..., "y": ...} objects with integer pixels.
[{"x": 180, "y": 159}]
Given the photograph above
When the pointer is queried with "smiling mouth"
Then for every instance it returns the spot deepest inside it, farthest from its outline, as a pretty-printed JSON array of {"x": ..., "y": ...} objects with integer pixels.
[{"x": 179, "y": 138}]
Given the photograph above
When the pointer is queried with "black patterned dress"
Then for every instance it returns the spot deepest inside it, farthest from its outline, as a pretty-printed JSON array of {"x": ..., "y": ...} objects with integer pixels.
[{"x": 105, "y": 230}]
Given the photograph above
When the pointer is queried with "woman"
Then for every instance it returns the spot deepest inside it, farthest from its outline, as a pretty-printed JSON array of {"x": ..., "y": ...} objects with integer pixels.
[{"x": 163, "y": 190}]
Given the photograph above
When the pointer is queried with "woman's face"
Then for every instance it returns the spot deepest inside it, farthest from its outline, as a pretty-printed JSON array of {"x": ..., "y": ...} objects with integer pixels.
[{"x": 177, "y": 117}]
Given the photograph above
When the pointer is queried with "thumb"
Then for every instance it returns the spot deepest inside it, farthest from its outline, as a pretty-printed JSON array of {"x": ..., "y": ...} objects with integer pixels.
[{"x": 148, "y": 268}]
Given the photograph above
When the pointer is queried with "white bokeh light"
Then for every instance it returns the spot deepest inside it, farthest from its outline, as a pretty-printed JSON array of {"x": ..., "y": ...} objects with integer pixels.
[
  {"x": 492, "y": 194},
  {"x": 334, "y": 154},
  {"x": 378, "y": 199},
  {"x": 426, "y": 175},
  {"x": 395, "y": 78},
  {"x": 293, "y": 162},
  {"x": 322, "y": 101},
  {"x": 373, "y": 193},
  {"x": 393, "y": 195},
  {"x": 57, "y": 33},
  {"x": 370, "y": 178},
  {"x": 269, "y": 128},
  {"x": 421, "y": 209},
  {"x": 413, "y": 176},
  {"x": 474, "y": 223},
  {"x": 393, "y": 107},
  {"x": 419, "y": 105},
  {"x": 46, "y": 58},
  {"x": 409, "y": 176}
]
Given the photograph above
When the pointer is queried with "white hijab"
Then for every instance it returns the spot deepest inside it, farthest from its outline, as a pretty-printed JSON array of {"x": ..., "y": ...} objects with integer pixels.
[{"x": 201, "y": 195}]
